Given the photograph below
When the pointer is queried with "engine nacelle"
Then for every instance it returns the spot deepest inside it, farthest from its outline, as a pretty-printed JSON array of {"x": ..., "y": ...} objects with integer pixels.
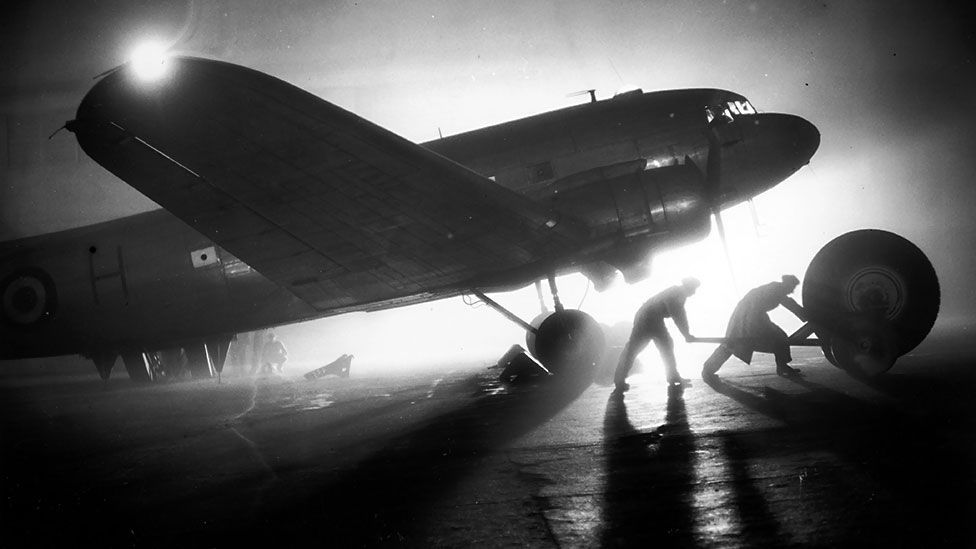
[
  {"x": 639, "y": 211},
  {"x": 659, "y": 201}
]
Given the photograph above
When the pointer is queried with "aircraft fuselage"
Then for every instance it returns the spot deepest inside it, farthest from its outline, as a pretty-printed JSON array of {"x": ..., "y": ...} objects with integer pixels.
[{"x": 631, "y": 168}]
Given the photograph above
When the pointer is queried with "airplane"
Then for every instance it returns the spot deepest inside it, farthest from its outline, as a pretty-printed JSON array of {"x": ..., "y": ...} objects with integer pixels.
[{"x": 279, "y": 206}]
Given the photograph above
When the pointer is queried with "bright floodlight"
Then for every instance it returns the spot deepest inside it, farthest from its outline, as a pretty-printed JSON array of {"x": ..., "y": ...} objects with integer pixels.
[{"x": 149, "y": 60}]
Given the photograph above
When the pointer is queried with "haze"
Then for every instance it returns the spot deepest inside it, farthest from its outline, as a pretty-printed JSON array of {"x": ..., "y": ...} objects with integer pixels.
[{"x": 889, "y": 85}]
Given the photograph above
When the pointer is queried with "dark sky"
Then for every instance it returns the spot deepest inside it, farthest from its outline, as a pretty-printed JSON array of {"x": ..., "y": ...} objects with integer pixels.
[{"x": 890, "y": 85}]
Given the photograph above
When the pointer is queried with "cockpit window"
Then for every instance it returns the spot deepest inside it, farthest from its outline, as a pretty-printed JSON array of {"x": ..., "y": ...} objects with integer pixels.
[
  {"x": 723, "y": 114},
  {"x": 741, "y": 107},
  {"x": 717, "y": 115}
]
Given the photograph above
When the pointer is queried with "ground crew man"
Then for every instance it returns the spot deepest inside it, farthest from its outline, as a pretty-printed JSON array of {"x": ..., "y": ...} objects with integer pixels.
[
  {"x": 750, "y": 328},
  {"x": 649, "y": 325},
  {"x": 275, "y": 354}
]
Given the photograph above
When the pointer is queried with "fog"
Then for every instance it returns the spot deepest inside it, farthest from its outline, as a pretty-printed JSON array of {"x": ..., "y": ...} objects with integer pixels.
[{"x": 889, "y": 85}]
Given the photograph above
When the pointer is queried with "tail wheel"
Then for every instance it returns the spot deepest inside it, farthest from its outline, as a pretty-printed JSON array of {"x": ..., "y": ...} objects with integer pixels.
[
  {"x": 569, "y": 343},
  {"x": 871, "y": 275}
]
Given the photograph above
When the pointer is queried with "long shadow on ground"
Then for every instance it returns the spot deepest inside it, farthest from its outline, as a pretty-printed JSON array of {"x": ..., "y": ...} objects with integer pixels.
[
  {"x": 647, "y": 500},
  {"x": 385, "y": 499},
  {"x": 906, "y": 448}
]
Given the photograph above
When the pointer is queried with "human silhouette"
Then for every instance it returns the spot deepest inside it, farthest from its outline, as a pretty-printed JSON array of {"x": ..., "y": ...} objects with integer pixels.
[
  {"x": 273, "y": 355},
  {"x": 649, "y": 325},
  {"x": 750, "y": 328}
]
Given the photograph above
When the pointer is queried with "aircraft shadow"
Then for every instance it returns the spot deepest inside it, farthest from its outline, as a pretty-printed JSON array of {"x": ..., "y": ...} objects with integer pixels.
[{"x": 384, "y": 499}]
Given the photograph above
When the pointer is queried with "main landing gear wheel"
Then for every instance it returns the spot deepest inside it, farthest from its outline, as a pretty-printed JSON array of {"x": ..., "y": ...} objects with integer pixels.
[
  {"x": 864, "y": 347},
  {"x": 829, "y": 354},
  {"x": 874, "y": 297},
  {"x": 569, "y": 343}
]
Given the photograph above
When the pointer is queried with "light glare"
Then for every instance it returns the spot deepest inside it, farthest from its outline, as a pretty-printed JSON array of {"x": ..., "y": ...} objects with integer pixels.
[{"x": 149, "y": 60}]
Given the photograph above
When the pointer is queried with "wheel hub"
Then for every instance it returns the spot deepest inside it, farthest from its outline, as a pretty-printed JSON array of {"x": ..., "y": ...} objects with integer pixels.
[{"x": 876, "y": 290}]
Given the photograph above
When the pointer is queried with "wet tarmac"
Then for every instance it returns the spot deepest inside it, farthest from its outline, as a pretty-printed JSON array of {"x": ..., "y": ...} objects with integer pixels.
[{"x": 455, "y": 459}]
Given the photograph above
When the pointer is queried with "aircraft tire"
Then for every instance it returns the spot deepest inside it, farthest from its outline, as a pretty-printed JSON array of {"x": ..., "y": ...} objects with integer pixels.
[
  {"x": 872, "y": 274},
  {"x": 530, "y": 336},
  {"x": 570, "y": 344},
  {"x": 829, "y": 354},
  {"x": 864, "y": 347}
]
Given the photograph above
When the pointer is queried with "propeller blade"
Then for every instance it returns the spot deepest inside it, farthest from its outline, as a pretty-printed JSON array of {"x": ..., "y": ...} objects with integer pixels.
[
  {"x": 755, "y": 217},
  {"x": 713, "y": 194},
  {"x": 713, "y": 170},
  {"x": 725, "y": 244}
]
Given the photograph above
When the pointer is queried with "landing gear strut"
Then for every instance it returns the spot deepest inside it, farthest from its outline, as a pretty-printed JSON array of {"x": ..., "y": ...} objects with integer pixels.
[
  {"x": 568, "y": 342},
  {"x": 199, "y": 360},
  {"x": 104, "y": 361},
  {"x": 139, "y": 365}
]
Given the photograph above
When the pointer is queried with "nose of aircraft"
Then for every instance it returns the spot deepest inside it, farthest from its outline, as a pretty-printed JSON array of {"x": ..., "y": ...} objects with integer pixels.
[
  {"x": 774, "y": 147},
  {"x": 806, "y": 139},
  {"x": 790, "y": 140}
]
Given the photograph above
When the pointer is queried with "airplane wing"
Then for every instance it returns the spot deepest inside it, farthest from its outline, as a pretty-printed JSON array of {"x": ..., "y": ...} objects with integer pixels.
[{"x": 331, "y": 207}]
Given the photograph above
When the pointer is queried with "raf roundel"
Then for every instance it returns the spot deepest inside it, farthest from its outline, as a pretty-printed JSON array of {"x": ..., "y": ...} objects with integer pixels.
[{"x": 28, "y": 298}]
